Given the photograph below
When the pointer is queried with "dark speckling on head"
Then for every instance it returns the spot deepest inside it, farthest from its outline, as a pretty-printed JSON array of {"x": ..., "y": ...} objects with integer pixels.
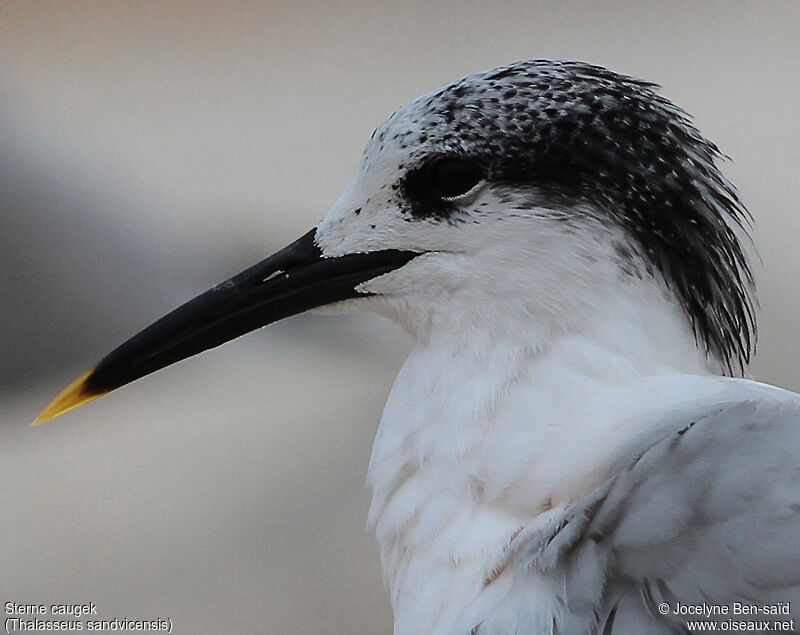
[{"x": 582, "y": 134}]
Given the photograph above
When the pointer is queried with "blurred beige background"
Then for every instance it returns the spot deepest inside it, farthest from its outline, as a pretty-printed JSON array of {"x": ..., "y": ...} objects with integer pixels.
[{"x": 150, "y": 149}]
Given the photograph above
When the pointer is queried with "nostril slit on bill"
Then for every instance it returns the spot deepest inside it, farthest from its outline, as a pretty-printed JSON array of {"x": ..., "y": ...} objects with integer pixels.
[{"x": 274, "y": 274}]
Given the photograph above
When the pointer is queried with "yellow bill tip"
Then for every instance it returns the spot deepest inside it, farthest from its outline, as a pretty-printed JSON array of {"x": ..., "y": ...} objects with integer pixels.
[{"x": 74, "y": 395}]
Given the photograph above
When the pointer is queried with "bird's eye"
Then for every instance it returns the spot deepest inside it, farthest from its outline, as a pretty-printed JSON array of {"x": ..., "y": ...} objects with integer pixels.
[{"x": 450, "y": 178}]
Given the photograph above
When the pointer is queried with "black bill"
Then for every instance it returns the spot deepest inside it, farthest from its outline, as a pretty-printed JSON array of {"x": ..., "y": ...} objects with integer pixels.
[{"x": 295, "y": 279}]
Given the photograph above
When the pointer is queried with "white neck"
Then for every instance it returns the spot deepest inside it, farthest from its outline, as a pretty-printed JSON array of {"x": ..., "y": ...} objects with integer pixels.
[{"x": 488, "y": 426}]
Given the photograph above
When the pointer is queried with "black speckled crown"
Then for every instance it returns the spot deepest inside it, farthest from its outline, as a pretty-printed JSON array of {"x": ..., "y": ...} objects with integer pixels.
[{"x": 578, "y": 133}]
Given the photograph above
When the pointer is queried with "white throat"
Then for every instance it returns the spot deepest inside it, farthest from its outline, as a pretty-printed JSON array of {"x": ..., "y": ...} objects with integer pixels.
[{"x": 490, "y": 425}]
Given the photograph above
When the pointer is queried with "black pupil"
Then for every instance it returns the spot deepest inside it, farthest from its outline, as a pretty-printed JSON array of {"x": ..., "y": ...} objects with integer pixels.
[{"x": 453, "y": 177}]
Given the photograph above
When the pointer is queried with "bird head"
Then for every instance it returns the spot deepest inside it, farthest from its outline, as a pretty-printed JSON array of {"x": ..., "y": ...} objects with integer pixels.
[{"x": 518, "y": 191}]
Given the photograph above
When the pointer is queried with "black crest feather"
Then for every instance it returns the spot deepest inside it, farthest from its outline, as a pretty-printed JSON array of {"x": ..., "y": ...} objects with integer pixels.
[{"x": 614, "y": 142}]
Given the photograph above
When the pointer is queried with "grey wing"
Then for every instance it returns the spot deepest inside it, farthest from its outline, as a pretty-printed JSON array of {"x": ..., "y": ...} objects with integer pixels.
[{"x": 710, "y": 514}]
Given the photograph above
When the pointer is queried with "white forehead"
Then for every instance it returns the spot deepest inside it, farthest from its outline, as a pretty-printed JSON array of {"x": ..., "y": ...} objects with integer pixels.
[{"x": 494, "y": 114}]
